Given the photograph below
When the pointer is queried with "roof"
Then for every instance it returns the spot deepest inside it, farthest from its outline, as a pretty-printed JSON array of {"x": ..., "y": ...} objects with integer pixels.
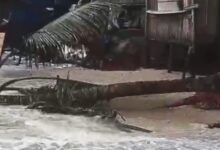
[{"x": 128, "y": 2}]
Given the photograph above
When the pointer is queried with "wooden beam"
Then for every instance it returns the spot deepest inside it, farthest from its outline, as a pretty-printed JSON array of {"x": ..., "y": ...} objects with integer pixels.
[{"x": 2, "y": 39}]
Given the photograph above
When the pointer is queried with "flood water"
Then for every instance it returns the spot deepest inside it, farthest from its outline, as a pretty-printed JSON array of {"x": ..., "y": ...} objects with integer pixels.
[{"x": 22, "y": 129}]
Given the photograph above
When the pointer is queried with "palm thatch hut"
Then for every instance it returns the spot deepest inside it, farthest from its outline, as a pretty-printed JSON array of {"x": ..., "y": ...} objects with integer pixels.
[{"x": 128, "y": 2}]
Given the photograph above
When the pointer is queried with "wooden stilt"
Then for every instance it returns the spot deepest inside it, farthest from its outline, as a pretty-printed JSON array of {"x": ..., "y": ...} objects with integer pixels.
[
  {"x": 2, "y": 41},
  {"x": 191, "y": 48},
  {"x": 147, "y": 53},
  {"x": 170, "y": 59},
  {"x": 186, "y": 62}
]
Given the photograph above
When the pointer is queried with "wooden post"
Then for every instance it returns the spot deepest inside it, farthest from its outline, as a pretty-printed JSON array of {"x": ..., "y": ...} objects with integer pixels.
[
  {"x": 147, "y": 53},
  {"x": 2, "y": 39},
  {"x": 187, "y": 61},
  {"x": 170, "y": 58},
  {"x": 191, "y": 48},
  {"x": 192, "y": 52}
]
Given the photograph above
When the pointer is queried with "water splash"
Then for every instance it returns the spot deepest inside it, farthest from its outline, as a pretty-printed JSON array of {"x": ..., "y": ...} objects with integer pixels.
[{"x": 22, "y": 129}]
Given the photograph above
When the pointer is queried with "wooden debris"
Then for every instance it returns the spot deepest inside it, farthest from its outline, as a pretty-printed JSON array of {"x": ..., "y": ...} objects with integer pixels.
[
  {"x": 202, "y": 100},
  {"x": 127, "y": 127},
  {"x": 214, "y": 125}
]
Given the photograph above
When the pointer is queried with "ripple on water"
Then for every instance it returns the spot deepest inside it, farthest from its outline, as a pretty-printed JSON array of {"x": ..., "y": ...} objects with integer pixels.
[{"x": 22, "y": 129}]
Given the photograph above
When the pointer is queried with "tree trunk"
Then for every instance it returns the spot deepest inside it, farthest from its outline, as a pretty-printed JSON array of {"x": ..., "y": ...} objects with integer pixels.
[
  {"x": 86, "y": 94},
  {"x": 211, "y": 83}
]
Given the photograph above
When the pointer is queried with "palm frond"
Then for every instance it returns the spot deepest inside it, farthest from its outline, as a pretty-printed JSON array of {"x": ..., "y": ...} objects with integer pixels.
[{"x": 76, "y": 27}]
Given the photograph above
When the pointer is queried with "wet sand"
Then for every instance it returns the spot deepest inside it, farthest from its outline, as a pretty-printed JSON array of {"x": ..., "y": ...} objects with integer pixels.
[
  {"x": 108, "y": 77},
  {"x": 149, "y": 112}
]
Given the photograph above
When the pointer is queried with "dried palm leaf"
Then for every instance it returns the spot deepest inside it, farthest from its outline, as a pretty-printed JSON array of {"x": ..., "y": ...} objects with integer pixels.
[{"x": 79, "y": 26}]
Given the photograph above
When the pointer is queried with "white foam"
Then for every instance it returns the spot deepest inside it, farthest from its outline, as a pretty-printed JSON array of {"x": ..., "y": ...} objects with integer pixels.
[{"x": 30, "y": 129}]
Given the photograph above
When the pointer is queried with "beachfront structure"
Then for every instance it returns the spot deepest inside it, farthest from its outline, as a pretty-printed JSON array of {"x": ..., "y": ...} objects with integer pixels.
[
  {"x": 185, "y": 22},
  {"x": 133, "y": 15},
  {"x": 27, "y": 16}
]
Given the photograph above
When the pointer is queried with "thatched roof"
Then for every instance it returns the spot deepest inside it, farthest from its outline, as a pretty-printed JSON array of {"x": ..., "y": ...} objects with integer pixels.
[{"x": 128, "y": 2}]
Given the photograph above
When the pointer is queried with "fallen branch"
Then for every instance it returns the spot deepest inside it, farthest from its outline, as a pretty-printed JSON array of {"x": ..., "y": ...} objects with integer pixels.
[
  {"x": 124, "y": 126},
  {"x": 4, "y": 85}
]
